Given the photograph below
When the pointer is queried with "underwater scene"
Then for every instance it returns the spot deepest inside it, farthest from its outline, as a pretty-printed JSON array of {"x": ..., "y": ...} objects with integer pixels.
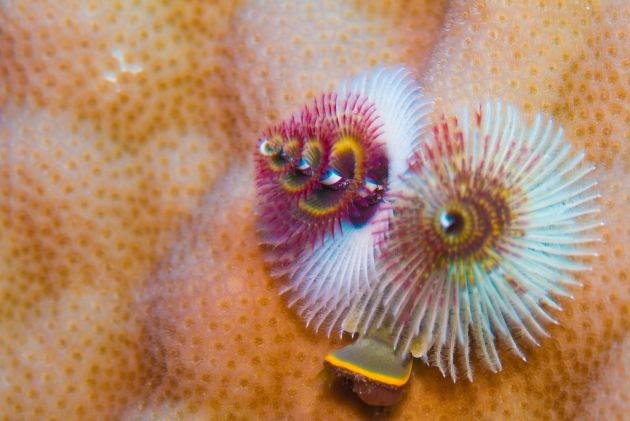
[{"x": 314, "y": 210}]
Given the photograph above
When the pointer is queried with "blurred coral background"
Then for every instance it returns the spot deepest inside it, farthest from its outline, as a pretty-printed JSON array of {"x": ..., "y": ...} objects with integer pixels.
[{"x": 131, "y": 284}]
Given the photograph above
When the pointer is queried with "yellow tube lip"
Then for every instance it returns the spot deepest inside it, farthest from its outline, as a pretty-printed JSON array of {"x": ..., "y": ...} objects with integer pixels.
[{"x": 371, "y": 375}]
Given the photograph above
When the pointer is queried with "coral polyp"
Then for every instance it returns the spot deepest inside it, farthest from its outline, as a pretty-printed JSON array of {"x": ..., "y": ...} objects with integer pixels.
[
  {"x": 323, "y": 178},
  {"x": 492, "y": 221}
]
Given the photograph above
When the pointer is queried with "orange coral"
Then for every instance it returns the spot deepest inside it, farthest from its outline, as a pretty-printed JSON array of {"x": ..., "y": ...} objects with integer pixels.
[{"x": 117, "y": 298}]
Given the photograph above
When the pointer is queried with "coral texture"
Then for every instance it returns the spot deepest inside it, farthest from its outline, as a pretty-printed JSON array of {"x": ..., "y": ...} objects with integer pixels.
[{"x": 131, "y": 283}]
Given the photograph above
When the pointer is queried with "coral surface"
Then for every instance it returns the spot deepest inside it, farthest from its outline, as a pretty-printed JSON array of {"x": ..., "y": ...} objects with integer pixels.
[{"x": 131, "y": 282}]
